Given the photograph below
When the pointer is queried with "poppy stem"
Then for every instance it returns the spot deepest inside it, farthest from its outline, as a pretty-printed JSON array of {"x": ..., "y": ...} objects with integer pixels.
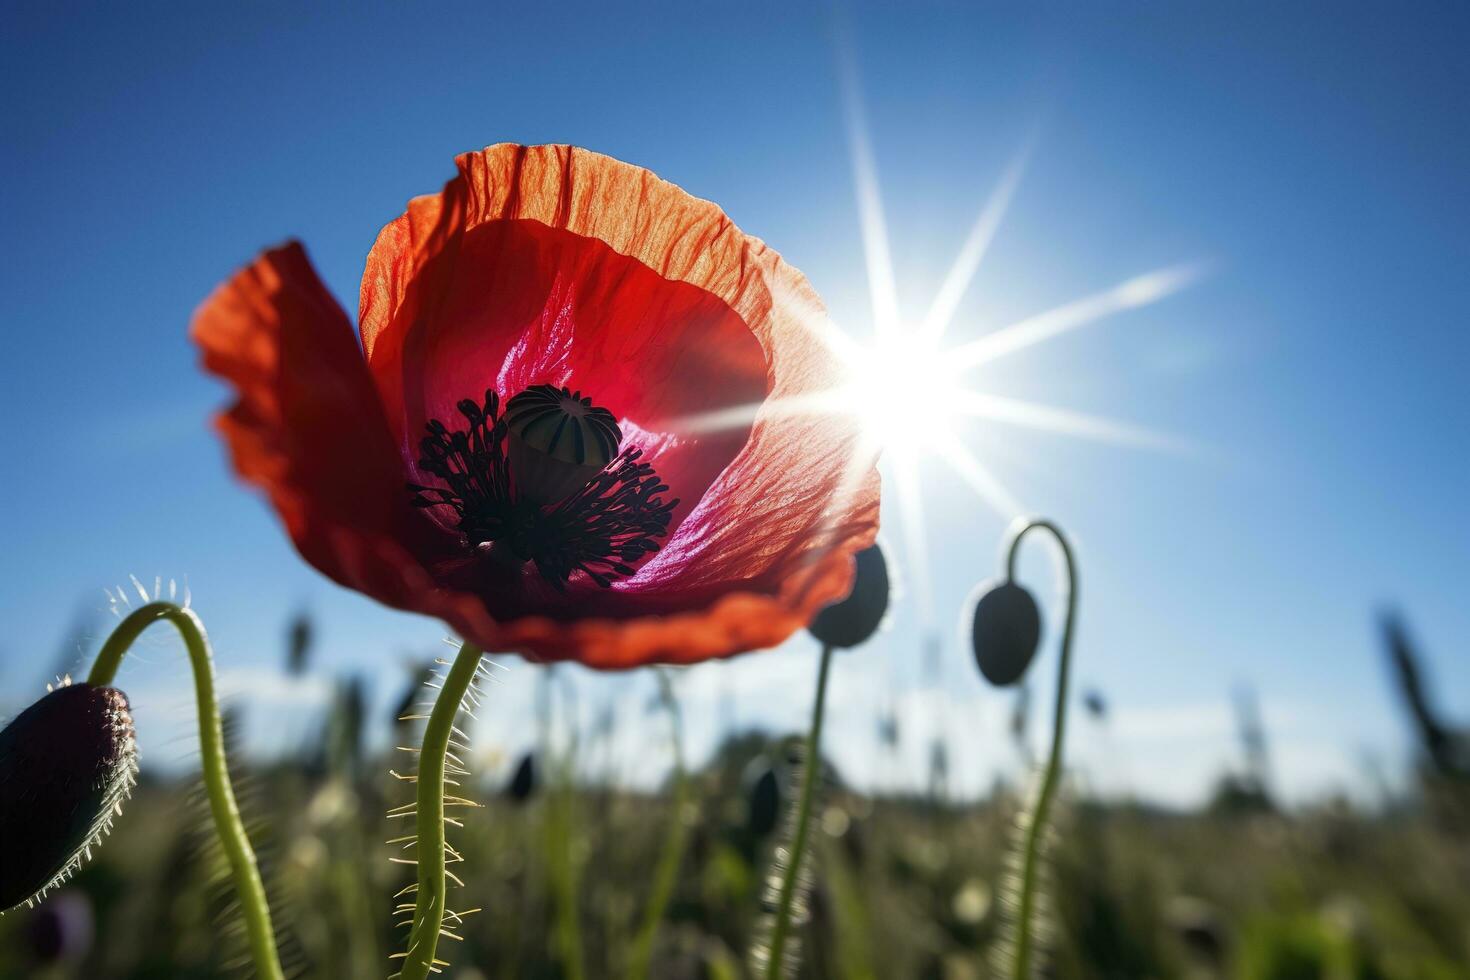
[
  {"x": 1037, "y": 819},
  {"x": 429, "y": 905},
  {"x": 781, "y": 928},
  {"x": 668, "y": 863},
  {"x": 222, "y": 805}
]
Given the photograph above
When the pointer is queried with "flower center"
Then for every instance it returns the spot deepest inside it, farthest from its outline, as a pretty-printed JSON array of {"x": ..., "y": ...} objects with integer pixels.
[{"x": 545, "y": 483}]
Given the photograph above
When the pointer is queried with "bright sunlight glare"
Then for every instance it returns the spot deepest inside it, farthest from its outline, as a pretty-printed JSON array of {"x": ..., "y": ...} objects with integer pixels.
[
  {"x": 903, "y": 391},
  {"x": 908, "y": 388}
]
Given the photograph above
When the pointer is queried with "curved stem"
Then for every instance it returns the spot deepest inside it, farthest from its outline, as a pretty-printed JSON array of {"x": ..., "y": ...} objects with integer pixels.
[
  {"x": 222, "y": 806},
  {"x": 782, "y": 926},
  {"x": 1038, "y": 820},
  {"x": 668, "y": 863},
  {"x": 429, "y": 906}
]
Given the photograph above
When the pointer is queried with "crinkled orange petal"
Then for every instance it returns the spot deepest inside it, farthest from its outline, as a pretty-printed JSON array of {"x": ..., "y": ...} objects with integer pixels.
[
  {"x": 768, "y": 542},
  {"x": 307, "y": 426}
]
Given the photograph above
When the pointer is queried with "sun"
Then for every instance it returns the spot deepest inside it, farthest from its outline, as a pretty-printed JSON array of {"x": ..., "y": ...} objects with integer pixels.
[
  {"x": 903, "y": 393},
  {"x": 925, "y": 384},
  {"x": 911, "y": 391}
]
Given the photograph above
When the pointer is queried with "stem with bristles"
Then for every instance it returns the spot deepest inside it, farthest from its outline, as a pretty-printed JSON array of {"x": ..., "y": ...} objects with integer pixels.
[
  {"x": 429, "y": 906},
  {"x": 1036, "y": 829},
  {"x": 222, "y": 805},
  {"x": 781, "y": 927}
]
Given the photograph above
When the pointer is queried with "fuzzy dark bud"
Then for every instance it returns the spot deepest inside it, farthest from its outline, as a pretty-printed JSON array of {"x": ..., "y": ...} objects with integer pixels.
[
  {"x": 523, "y": 783},
  {"x": 1005, "y": 632},
  {"x": 853, "y": 620},
  {"x": 763, "y": 798},
  {"x": 298, "y": 644},
  {"x": 67, "y": 762}
]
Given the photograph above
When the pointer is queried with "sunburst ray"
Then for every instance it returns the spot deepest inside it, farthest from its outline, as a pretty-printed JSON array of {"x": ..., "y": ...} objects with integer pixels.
[
  {"x": 904, "y": 469},
  {"x": 1130, "y": 294},
  {"x": 882, "y": 289},
  {"x": 1047, "y": 418},
  {"x": 972, "y": 253}
]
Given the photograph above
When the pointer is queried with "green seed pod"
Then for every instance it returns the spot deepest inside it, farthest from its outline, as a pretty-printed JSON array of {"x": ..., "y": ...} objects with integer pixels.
[
  {"x": 67, "y": 762},
  {"x": 1006, "y": 631},
  {"x": 853, "y": 620},
  {"x": 557, "y": 441}
]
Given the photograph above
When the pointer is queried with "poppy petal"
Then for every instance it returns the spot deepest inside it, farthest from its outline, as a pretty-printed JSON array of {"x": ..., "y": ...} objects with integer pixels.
[
  {"x": 780, "y": 505},
  {"x": 307, "y": 426}
]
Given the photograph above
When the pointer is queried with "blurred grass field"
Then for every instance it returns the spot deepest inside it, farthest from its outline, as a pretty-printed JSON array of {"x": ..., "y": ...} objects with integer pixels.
[{"x": 562, "y": 870}]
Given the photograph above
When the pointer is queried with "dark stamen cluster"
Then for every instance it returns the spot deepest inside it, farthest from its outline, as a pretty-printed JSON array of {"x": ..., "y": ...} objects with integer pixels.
[
  {"x": 473, "y": 463},
  {"x": 604, "y": 529},
  {"x": 611, "y": 523}
]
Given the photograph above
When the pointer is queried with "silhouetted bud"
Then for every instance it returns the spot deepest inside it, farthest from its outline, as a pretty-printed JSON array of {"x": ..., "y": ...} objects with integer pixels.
[
  {"x": 1096, "y": 704},
  {"x": 298, "y": 644},
  {"x": 523, "y": 783},
  {"x": 66, "y": 764},
  {"x": 1006, "y": 631},
  {"x": 763, "y": 797},
  {"x": 854, "y": 619}
]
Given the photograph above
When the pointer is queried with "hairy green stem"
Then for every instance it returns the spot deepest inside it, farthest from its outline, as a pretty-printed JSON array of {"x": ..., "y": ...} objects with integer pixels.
[
  {"x": 781, "y": 928},
  {"x": 1036, "y": 830},
  {"x": 429, "y": 904},
  {"x": 667, "y": 871},
  {"x": 222, "y": 806}
]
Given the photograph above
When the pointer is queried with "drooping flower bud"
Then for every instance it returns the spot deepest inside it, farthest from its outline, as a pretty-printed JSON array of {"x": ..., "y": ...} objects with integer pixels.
[
  {"x": 299, "y": 635},
  {"x": 523, "y": 784},
  {"x": 67, "y": 762},
  {"x": 1005, "y": 632},
  {"x": 763, "y": 797},
  {"x": 853, "y": 620}
]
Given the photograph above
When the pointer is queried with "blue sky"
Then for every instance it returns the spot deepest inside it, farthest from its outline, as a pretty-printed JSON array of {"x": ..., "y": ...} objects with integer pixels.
[{"x": 1315, "y": 157}]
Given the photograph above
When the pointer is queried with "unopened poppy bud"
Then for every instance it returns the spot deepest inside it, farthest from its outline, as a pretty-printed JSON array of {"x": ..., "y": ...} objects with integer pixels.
[
  {"x": 853, "y": 620},
  {"x": 67, "y": 762},
  {"x": 1006, "y": 631},
  {"x": 763, "y": 797},
  {"x": 298, "y": 644},
  {"x": 523, "y": 783}
]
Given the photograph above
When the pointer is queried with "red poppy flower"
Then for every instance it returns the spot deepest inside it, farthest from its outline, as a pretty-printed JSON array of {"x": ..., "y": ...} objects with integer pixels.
[{"x": 509, "y": 449}]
